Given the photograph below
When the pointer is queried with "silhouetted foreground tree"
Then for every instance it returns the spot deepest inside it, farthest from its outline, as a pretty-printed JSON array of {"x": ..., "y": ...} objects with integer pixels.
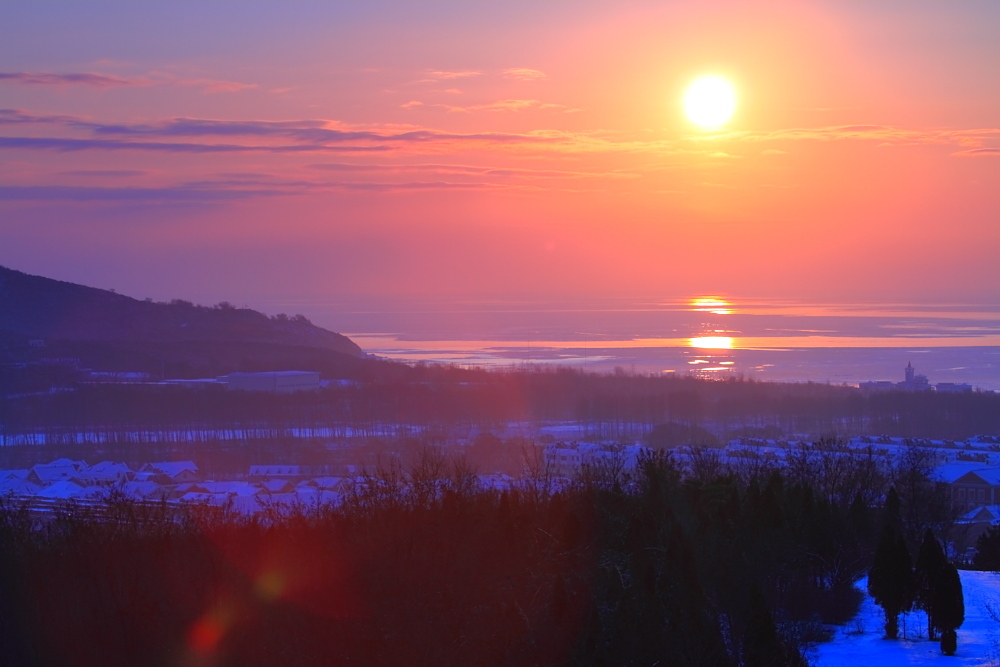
[
  {"x": 890, "y": 580},
  {"x": 653, "y": 569},
  {"x": 948, "y": 607},
  {"x": 931, "y": 563},
  {"x": 987, "y": 556}
]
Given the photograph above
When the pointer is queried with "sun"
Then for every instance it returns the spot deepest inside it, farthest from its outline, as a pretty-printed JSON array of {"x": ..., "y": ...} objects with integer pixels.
[{"x": 710, "y": 101}]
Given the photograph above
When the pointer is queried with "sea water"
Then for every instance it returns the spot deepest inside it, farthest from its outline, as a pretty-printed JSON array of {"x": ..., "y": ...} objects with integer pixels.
[{"x": 705, "y": 336}]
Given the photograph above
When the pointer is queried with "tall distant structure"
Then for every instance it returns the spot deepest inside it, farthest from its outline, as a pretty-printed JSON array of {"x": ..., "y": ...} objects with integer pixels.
[{"x": 914, "y": 382}]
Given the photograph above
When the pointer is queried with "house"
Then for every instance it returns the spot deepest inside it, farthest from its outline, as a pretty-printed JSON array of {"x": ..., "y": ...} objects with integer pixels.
[
  {"x": 241, "y": 504},
  {"x": 327, "y": 483},
  {"x": 970, "y": 483},
  {"x": 151, "y": 476},
  {"x": 145, "y": 490},
  {"x": 231, "y": 488},
  {"x": 107, "y": 472},
  {"x": 178, "y": 471},
  {"x": 569, "y": 460},
  {"x": 976, "y": 488},
  {"x": 496, "y": 482},
  {"x": 68, "y": 489},
  {"x": 277, "y": 471},
  {"x": 311, "y": 496},
  {"x": 44, "y": 474},
  {"x": 988, "y": 514},
  {"x": 971, "y": 525},
  {"x": 563, "y": 461},
  {"x": 17, "y": 486},
  {"x": 273, "y": 486}
]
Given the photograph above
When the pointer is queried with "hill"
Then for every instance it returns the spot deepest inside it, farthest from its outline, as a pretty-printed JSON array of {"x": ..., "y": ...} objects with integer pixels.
[{"x": 111, "y": 331}]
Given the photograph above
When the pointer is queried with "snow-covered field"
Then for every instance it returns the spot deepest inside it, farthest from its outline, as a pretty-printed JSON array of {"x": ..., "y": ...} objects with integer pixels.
[{"x": 860, "y": 642}]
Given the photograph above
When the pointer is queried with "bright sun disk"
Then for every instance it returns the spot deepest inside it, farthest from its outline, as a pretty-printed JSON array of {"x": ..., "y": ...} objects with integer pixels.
[{"x": 710, "y": 101}]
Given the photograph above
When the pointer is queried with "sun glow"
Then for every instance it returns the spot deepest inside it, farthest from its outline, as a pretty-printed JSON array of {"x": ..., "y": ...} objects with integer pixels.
[
  {"x": 712, "y": 342},
  {"x": 710, "y": 101},
  {"x": 711, "y": 304}
]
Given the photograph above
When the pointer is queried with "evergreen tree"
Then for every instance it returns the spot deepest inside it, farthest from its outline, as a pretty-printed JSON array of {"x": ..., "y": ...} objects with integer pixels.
[
  {"x": 762, "y": 644},
  {"x": 987, "y": 555},
  {"x": 949, "y": 642},
  {"x": 860, "y": 518},
  {"x": 948, "y": 607},
  {"x": 931, "y": 562},
  {"x": 891, "y": 510},
  {"x": 890, "y": 580}
]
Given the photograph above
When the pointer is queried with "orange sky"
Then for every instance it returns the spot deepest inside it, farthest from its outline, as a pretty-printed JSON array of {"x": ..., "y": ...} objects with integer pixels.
[{"x": 458, "y": 148}]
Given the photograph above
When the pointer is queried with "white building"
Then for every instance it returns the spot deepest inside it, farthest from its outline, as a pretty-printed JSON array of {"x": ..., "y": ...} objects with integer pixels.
[
  {"x": 953, "y": 388},
  {"x": 273, "y": 381}
]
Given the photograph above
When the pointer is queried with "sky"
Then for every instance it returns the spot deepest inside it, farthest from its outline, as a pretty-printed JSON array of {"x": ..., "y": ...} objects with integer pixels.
[{"x": 260, "y": 151}]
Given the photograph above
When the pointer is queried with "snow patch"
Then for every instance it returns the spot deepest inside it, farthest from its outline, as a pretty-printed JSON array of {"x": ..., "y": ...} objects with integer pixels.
[{"x": 860, "y": 641}]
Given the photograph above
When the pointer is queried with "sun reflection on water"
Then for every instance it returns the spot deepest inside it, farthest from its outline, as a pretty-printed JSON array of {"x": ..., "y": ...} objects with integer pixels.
[
  {"x": 712, "y": 342},
  {"x": 711, "y": 304}
]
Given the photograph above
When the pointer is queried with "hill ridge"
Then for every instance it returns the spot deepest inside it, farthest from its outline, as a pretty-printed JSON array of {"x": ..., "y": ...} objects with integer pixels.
[{"x": 37, "y": 307}]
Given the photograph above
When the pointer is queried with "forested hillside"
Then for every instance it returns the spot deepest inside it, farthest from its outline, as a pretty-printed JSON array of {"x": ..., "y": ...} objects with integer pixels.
[{"x": 33, "y": 307}]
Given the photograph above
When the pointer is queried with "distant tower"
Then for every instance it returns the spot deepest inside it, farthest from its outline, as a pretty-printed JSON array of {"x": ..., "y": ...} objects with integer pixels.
[{"x": 909, "y": 373}]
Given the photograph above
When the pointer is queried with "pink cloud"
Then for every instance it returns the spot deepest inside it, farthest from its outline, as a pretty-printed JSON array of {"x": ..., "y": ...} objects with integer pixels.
[
  {"x": 503, "y": 172},
  {"x": 76, "y": 78},
  {"x": 523, "y": 73},
  {"x": 979, "y": 152},
  {"x": 215, "y": 85},
  {"x": 99, "y": 80},
  {"x": 515, "y": 106},
  {"x": 444, "y": 75},
  {"x": 887, "y": 135}
]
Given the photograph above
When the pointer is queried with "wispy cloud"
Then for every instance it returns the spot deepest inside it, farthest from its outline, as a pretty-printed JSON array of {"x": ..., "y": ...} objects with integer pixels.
[
  {"x": 63, "y": 144},
  {"x": 21, "y": 117},
  {"x": 244, "y": 136},
  {"x": 306, "y": 131},
  {"x": 468, "y": 169},
  {"x": 513, "y": 106},
  {"x": 201, "y": 135},
  {"x": 75, "y": 78},
  {"x": 100, "y": 80},
  {"x": 423, "y": 185},
  {"x": 444, "y": 75},
  {"x": 211, "y": 192},
  {"x": 437, "y": 76},
  {"x": 500, "y": 105},
  {"x": 214, "y": 85},
  {"x": 979, "y": 152},
  {"x": 105, "y": 173},
  {"x": 884, "y": 134},
  {"x": 523, "y": 73},
  {"x": 62, "y": 193}
]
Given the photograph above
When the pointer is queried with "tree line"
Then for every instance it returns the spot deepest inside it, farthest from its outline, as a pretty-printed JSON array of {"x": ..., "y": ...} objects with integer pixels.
[
  {"x": 383, "y": 395},
  {"x": 662, "y": 565}
]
